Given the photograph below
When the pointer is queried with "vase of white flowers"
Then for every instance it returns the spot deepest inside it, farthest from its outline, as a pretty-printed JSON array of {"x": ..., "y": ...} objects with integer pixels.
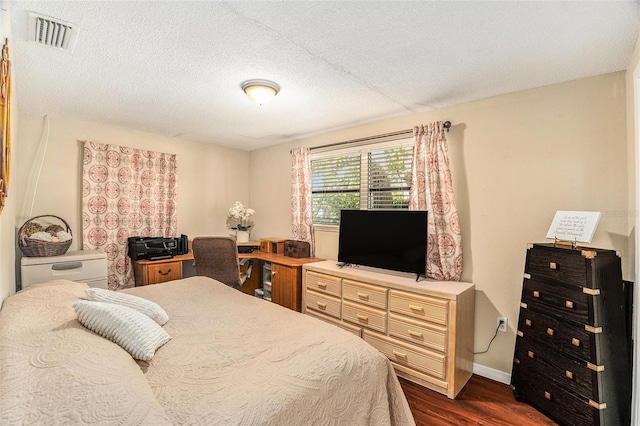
[{"x": 239, "y": 219}]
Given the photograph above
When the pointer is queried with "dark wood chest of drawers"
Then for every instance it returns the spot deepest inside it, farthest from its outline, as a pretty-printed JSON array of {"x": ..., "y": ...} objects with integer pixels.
[{"x": 572, "y": 358}]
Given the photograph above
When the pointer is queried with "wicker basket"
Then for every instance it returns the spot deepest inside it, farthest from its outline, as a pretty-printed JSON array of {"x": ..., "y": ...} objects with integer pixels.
[{"x": 32, "y": 247}]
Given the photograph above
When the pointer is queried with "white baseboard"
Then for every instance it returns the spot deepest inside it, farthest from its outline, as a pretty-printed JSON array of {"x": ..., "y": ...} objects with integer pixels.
[{"x": 492, "y": 373}]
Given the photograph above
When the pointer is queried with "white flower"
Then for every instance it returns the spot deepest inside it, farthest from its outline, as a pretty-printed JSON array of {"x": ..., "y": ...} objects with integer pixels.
[{"x": 241, "y": 214}]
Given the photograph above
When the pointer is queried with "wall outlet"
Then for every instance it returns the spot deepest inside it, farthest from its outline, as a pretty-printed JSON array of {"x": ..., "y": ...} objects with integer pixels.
[{"x": 502, "y": 327}]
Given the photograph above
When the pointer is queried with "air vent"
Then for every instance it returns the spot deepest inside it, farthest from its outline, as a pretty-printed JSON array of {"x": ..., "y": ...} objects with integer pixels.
[{"x": 52, "y": 32}]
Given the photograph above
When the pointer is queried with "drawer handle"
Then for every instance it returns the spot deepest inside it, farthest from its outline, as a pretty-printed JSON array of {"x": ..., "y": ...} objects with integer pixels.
[
  {"x": 415, "y": 334},
  {"x": 553, "y": 265},
  {"x": 531, "y": 355},
  {"x": 550, "y": 331},
  {"x": 416, "y": 308},
  {"x": 164, "y": 273},
  {"x": 65, "y": 266},
  {"x": 364, "y": 318},
  {"x": 575, "y": 342},
  {"x": 536, "y": 294},
  {"x": 568, "y": 304},
  {"x": 528, "y": 322},
  {"x": 568, "y": 374},
  {"x": 323, "y": 286},
  {"x": 547, "y": 395},
  {"x": 364, "y": 296},
  {"x": 322, "y": 305},
  {"x": 400, "y": 354}
]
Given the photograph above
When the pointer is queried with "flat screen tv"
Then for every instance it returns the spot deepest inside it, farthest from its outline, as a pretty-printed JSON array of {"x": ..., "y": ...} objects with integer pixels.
[{"x": 387, "y": 239}]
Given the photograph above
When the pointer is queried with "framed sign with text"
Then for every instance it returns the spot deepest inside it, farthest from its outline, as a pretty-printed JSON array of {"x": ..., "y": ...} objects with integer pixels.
[{"x": 574, "y": 226}]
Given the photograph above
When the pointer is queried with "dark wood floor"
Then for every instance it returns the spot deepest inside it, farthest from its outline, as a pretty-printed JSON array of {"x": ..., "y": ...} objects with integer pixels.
[{"x": 481, "y": 402}]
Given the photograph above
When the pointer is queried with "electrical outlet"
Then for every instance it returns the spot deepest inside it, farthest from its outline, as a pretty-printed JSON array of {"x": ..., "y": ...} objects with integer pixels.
[{"x": 502, "y": 324}]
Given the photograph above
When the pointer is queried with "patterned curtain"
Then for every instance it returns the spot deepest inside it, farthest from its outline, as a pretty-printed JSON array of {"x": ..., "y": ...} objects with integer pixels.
[
  {"x": 301, "y": 213},
  {"x": 432, "y": 190},
  {"x": 126, "y": 192}
]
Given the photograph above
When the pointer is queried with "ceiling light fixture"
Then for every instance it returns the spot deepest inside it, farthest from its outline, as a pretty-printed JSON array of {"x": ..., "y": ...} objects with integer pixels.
[{"x": 260, "y": 91}]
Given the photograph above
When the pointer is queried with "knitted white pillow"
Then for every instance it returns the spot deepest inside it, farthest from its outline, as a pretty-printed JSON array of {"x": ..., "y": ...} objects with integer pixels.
[
  {"x": 147, "y": 307},
  {"x": 134, "y": 332}
]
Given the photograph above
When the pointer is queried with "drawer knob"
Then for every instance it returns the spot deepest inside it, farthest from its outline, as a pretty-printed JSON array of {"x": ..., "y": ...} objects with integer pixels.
[
  {"x": 536, "y": 293},
  {"x": 531, "y": 355},
  {"x": 363, "y": 296},
  {"x": 568, "y": 374},
  {"x": 416, "y": 308},
  {"x": 575, "y": 342},
  {"x": 553, "y": 265},
  {"x": 527, "y": 322},
  {"x": 547, "y": 395},
  {"x": 164, "y": 273},
  {"x": 415, "y": 334},
  {"x": 323, "y": 286},
  {"x": 400, "y": 354},
  {"x": 363, "y": 318},
  {"x": 322, "y": 305},
  {"x": 568, "y": 304},
  {"x": 550, "y": 331}
]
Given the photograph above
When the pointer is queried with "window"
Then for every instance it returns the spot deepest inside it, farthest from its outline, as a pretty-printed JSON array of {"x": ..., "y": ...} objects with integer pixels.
[{"x": 369, "y": 177}]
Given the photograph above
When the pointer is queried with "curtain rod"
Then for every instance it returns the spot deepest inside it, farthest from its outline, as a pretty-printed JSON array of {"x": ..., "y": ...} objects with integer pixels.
[{"x": 446, "y": 125}]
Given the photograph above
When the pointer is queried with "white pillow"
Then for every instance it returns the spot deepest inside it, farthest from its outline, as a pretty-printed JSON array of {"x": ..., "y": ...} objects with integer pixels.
[
  {"x": 134, "y": 332},
  {"x": 147, "y": 307}
]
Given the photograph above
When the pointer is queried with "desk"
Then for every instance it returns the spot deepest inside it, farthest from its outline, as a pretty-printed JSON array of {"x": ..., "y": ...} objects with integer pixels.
[{"x": 286, "y": 284}]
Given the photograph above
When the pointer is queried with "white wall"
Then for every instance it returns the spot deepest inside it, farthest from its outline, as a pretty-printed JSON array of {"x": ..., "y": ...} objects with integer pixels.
[
  {"x": 515, "y": 159},
  {"x": 633, "y": 161}
]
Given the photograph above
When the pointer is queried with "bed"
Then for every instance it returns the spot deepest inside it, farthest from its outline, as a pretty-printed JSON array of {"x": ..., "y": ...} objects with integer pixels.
[{"x": 233, "y": 359}]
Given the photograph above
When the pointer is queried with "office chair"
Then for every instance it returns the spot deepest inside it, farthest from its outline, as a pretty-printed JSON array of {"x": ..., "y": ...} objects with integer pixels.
[{"x": 217, "y": 258}]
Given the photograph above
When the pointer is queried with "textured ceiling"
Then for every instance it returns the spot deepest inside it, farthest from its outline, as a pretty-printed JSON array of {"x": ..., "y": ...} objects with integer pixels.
[{"x": 175, "y": 67}]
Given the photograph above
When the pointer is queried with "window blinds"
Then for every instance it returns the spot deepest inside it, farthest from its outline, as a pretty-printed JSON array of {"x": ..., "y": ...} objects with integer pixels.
[{"x": 375, "y": 177}]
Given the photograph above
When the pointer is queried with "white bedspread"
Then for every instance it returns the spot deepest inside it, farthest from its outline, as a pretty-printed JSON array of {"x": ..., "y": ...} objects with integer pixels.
[
  {"x": 53, "y": 371},
  {"x": 233, "y": 360},
  {"x": 238, "y": 360}
]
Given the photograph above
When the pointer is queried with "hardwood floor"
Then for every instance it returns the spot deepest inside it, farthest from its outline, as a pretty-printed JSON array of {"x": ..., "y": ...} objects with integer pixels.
[{"x": 481, "y": 402}]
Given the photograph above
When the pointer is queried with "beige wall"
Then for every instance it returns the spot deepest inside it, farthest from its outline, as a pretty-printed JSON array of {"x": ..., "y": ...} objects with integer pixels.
[
  {"x": 7, "y": 217},
  {"x": 516, "y": 160},
  {"x": 210, "y": 178}
]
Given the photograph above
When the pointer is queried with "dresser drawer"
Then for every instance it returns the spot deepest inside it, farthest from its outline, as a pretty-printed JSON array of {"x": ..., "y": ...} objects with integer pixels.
[
  {"x": 540, "y": 361},
  {"x": 333, "y": 321},
  {"x": 559, "y": 300},
  {"x": 567, "y": 266},
  {"x": 374, "y": 319},
  {"x": 556, "y": 401},
  {"x": 431, "y": 363},
  {"x": 418, "y": 332},
  {"x": 323, "y": 283},
  {"x": 571, "y": 339},
  {"x": 367, "y": 294},
  {"x": 163, "y": 272},
  {"x": 421, "y": 307},
  {"x": 328, "y": 305}
]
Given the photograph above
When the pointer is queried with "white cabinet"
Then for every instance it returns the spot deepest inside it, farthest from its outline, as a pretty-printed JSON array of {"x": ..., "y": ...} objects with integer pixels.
[
  {"x": 425, "y": 328},
  {"x": 87, "y": 266}
]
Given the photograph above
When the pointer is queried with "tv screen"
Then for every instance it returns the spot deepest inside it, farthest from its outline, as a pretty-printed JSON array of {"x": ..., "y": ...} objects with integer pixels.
[{"x": 387, "y": 239}]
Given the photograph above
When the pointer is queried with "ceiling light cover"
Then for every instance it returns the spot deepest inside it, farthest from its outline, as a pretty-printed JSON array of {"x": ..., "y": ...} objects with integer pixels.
[{"x": 260, "y": 91}]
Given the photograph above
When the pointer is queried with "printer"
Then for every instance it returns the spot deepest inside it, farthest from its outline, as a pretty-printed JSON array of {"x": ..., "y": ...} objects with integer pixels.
[{"x": 157, "y": 248}]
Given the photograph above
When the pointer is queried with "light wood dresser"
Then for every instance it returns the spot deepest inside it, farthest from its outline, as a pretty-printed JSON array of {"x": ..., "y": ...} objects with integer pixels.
[{"x": 425, "y": 328}]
